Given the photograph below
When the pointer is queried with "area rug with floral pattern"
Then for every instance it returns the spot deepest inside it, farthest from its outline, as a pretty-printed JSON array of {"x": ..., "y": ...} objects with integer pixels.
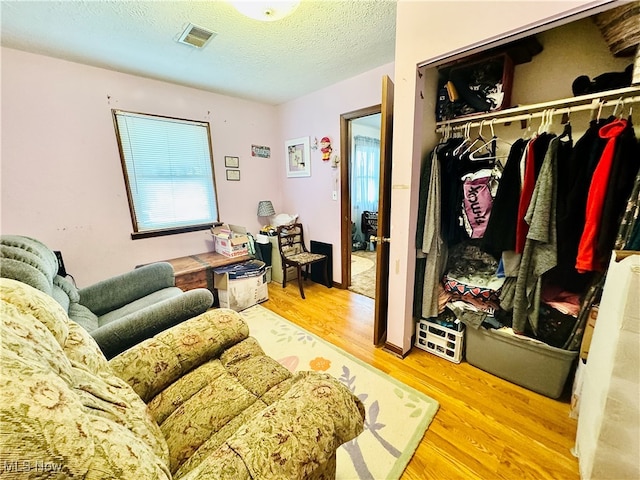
[{"x": 397, "y": 415}]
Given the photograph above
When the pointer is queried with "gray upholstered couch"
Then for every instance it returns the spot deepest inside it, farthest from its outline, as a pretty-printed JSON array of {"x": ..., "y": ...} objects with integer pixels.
[{"x": 118, "y": 312}]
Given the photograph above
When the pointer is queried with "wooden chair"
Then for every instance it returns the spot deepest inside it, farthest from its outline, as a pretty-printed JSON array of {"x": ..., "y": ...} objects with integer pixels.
[
  {"x": 369, "y": 226},
  {"x": 294, "y": 253}
]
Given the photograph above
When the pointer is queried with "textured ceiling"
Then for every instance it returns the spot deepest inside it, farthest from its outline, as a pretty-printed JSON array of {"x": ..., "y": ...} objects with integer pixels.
[{"x": 321, "y": 43}]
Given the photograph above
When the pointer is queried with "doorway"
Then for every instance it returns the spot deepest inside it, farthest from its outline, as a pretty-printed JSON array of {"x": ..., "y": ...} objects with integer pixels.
[
  {"x": 383, "y": 223},
  {"x": 364, "y": 186},
  {"x": 358, "y": 252}
]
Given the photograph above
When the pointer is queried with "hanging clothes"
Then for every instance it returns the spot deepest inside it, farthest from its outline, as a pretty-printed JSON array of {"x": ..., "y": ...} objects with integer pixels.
[
  {"x": 477, "y": 202},
  {"x": 539, "y": 253},
  {"x": 500, "y": 234},
  {"x": 433, "y": 246},
  {"x": 574, "y": 178},
  {"x": 540, "y": 215},
  {"x": 454, "y": 166},
  {"x": 620, "y": 185},
  {"x": 628, "y": 233},
  {"x": 536, "y": 151},
  {"x": 421, "y": 259},
  {"x": 588, "y": 258}
]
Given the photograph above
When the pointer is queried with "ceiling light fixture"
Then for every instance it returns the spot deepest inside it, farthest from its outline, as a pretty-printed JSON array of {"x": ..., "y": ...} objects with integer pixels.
[{"x": 266, "y": 11}]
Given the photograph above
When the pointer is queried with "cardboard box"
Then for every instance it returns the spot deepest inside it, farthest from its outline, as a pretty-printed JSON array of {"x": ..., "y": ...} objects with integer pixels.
[
  {"x": 242, "y": 285},
  {"x": 230, "y": 240},
  {"x": 588, "y": 332}
]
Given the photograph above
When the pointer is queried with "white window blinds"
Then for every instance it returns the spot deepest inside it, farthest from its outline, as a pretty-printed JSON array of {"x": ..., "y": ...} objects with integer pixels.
[{"x": 167, "y": 164}]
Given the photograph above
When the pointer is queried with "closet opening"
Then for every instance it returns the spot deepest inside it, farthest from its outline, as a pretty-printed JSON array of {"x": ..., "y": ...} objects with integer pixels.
[{"x": 512, "y": 195}]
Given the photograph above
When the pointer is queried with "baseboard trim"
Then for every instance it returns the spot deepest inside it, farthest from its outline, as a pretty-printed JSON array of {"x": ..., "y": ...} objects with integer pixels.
[{"x": 394, "y": 349}]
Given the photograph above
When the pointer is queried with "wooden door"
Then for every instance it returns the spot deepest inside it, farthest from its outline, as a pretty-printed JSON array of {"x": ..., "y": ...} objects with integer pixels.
[{"x": 384, "y": 214}]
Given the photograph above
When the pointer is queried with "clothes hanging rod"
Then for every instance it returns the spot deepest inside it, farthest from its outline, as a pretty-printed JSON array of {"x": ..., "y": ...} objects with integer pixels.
[{"x": 594, "y": 101}]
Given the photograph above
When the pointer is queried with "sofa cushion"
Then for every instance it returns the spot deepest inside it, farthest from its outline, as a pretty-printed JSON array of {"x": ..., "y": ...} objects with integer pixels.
[
  {"x": 220, "y": 393},
  {"x": 60, "y": 296},
  {"x": 28, "y": 260},
  {"x": 67, "y": 287},
  {"x": 64, "y": 292},
  {"x": 310, "y": 421},
  {"x": 137, "y": 305},
  {"x": 83, "y": 317},
  {"x": 58, "y": 409},
  {"x": 24, "y": 269}
]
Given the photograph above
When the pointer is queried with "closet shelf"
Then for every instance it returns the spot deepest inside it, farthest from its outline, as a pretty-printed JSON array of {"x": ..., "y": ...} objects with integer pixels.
[{"x": 594, "y": 101}]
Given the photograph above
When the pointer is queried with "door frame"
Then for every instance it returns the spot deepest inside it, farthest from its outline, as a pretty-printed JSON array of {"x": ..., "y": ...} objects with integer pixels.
[{"x": 345, "y": 190}]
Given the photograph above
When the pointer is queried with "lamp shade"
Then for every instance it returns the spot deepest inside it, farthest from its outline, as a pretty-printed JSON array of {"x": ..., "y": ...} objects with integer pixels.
[{"x": 265, "y": 208}]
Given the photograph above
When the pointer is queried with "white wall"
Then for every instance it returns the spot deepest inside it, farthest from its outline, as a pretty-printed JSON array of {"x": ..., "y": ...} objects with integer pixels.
[
  {"x": 62, "y": 181},
  {"x": 318, "y": 115},
  {"x": 425, "y": 31}
]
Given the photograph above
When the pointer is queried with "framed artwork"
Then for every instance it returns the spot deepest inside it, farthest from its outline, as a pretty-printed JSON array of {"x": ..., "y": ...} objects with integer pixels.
[
  {"x": 260, "y": 151},
  {"x": 298, "y": 157},
  {"x": 233, "y": 175},
  {"x": 232, "y": 162}
]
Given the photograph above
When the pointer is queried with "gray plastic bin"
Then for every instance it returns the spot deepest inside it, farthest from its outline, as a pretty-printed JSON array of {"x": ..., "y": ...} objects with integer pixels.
[{"x": 536, "y": 366}]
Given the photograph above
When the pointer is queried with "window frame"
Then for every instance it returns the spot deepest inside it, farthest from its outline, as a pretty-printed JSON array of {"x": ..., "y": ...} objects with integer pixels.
[{"x": 148, "y": 233}]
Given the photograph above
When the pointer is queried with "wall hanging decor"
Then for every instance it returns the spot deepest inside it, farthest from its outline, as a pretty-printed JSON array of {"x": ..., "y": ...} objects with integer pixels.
[
  {"x": 260, "y": 151},
  {"x": 233, "y": 175},
  {"x": 325, "y": 148},
  {"x": 232, "y": 162},
  {"x": 298, "y": 157}
]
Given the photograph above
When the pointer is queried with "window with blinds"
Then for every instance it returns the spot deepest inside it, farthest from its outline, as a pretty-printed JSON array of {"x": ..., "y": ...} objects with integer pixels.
[{"x": 168, "y": 170}]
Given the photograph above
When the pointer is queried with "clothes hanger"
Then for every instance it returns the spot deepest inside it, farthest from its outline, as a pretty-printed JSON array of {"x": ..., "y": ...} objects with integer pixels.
[
  {"x": 490, "y": 145},
  {"x": 527, "y": 135},
  {"x": 544, "y": 122},
  {"x": 548, "y": 128},
  {"x": 567, "y": 132},
  {"x": 601, "y": 104},
  {"x": 445, "y": 134},
  {"x": 478, "y": 139},
  {"x": 619, "y": 102},
  {"x": 465, "y": 139}
]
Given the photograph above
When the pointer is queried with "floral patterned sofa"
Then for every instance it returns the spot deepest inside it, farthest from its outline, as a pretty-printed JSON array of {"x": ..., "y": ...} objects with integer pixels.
[{"x": 200, "y": 400}]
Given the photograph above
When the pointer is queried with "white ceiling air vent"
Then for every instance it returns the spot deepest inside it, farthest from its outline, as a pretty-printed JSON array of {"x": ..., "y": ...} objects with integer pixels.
[{"x": 196, "y": 36}]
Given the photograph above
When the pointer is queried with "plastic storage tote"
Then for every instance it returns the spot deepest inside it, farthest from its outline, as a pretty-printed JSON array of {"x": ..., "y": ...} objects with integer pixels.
[{"x": 533, "y": 365}]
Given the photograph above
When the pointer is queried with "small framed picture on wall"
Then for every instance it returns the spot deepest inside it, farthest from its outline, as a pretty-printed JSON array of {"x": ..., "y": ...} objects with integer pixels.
[
  {"x": 298, "y": 157},
  {"x": 232, "y": 162},
  {"x": 233, "y": 175}
]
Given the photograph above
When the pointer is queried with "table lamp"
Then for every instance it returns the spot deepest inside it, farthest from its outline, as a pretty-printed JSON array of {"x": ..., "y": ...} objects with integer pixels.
[{"x": 265, "y": 209}]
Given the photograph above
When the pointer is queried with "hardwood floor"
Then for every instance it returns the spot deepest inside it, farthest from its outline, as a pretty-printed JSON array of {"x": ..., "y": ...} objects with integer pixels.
[{"x": 486, "y": 428}]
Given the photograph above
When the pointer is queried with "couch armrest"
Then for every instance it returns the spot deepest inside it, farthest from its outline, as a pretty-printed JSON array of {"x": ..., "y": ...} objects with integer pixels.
[
  {"x": 115, "y": 292},
  {"x": 119, "y": 335},
  {"x": 152, "y": 365},
  {"x": 295, "y": 437}
]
